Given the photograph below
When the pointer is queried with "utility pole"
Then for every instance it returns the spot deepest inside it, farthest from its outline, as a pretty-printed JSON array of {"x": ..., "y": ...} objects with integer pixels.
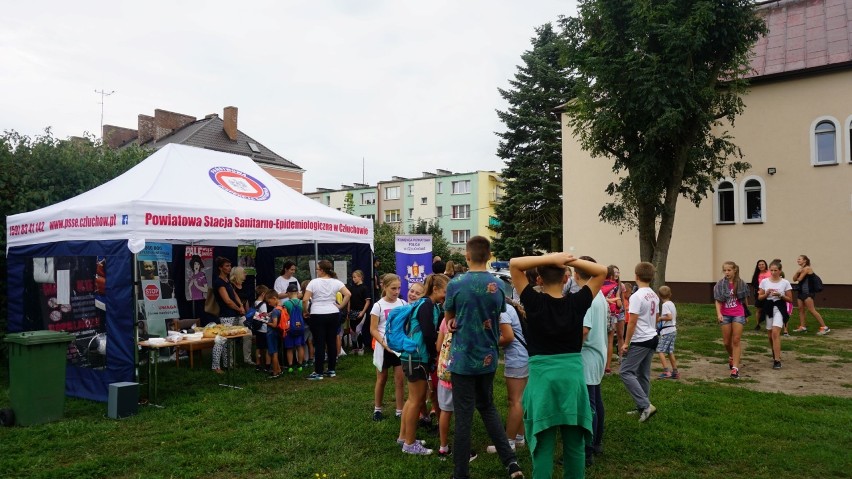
[{"x": 103, "y": 95}]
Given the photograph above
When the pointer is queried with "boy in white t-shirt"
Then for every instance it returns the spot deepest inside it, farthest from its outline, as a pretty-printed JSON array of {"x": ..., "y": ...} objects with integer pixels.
[
  {"x": 666, "y": 325},
  {"x": 641, "y": 342}
]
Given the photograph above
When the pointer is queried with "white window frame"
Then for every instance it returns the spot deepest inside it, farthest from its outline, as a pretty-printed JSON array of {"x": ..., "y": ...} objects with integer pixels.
[
  {"x": 369, "y": 217},
  {"x": 847, "y": 133},
  {"x": 389, "y": 189},
  {"x": 458, "y": 210},
  {"x": 424, "y": 200},
  {"x": 460, "y": 182},
  {"x": 439, "y": 211},
  {"x": 393, "y": 216},
  {"x": 410, "y": 190},
  {"x": 837, "y": 142},
  {"x": 411, "y": 213},
  {"x": 458, "y": 234},
  {"x": 744, "y": 203},
  {"x": 717, "y": 212},
  {"x": 440, "y": 188},
  {"x": 368, "y": 198}
]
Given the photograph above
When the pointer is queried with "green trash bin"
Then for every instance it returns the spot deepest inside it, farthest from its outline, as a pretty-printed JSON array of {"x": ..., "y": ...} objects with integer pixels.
[{"x": 37, "y": 375}]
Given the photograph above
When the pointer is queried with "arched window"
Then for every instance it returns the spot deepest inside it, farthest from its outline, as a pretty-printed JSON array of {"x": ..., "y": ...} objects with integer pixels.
[
  {"x": 849, "y": 139},
  {"x": 725, "y": 203},
  {"x": 753, "y": 200},
  {"x": 825, "y": 141}
]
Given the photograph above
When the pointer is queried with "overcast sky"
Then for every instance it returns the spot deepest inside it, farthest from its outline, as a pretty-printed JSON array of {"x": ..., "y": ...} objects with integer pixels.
[{"x": 407, "y": 85}]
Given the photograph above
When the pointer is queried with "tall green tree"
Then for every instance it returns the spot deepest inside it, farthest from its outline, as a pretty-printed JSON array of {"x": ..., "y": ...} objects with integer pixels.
[
  {"x": 657, "y": 81},
  {"x": 530, "y": 212},
  {"x": 349, "y": 203},
  {"x": 42, "y": 170}
]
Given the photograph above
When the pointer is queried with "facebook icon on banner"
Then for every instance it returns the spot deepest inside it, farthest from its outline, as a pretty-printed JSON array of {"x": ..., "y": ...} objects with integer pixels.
[{"x": 125, "y": 219}]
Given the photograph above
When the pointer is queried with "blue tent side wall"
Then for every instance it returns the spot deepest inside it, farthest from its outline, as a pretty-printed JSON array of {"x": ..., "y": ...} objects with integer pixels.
[
  {"x": 83, "y": 382},
  {"x": 120, "y": 318}
]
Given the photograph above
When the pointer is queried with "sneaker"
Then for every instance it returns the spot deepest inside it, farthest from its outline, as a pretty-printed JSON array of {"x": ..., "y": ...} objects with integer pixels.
[
  {"x": 299, "y": 369},
  {"x": 341, "y": 353},
  {"x": 785, "y": 334},
  {"x": 417, "y": 449},
  {"x": 493, "y": 449},
  {"x": 515, "y": 471},
  {"x": 730, "y": 362},
  {"x": 520, "y": 441},
  {"x": 290, "y": 370},
  {"x": 647, "y": 413},
  {"x": 801, "y": 329},
  {"x": 473, "y": 455},
  {"x": 314, "y": 377},
  {"x": 330, "y": 373},
  {"x": 757, "y": 328},
  {"x": 823, "y": 331},
  {"x": 665, "y": 375},
  {"x": 401, "y": 442},
  {"x": 275, "y": 376},
  {"x": 735, "y": 373},
  {"x": 633, "y": 412},
  {"x": 607, "y": 371},
  {"x": 444, "y": 455},
  {"x": 776, "y": 365},
  {"x": 398, "y": 414},
  {"x": 378, "y": 416},
  {"x": 675, "y": 375}
]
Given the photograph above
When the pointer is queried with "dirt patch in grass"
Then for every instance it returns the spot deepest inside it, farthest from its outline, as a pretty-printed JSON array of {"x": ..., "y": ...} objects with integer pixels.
[{"x": 800, "y": 375}]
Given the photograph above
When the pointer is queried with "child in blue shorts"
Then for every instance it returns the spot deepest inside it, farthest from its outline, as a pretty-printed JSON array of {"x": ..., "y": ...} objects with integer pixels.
[
  {"x": 295, "y": 339},
  {"x": 273, "y": 332}
]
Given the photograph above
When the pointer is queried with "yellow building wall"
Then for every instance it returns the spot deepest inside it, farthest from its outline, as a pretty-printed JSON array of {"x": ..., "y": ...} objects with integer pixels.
[{"x": 808, "y": 209}]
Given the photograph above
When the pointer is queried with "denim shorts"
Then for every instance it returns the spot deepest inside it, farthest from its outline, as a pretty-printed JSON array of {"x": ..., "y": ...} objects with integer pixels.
[
  {"x": 517, "y": 373},
  {"x": 445, "y": 398},
  {"x": 733, "y": 319}
]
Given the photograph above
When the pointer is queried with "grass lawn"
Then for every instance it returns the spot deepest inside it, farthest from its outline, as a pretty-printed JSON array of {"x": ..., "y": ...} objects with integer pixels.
[{"x": 293, "y": 428}]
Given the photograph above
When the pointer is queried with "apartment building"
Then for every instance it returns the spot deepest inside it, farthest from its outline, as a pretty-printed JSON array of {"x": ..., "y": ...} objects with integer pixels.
[{"x": 462, "y": 204}]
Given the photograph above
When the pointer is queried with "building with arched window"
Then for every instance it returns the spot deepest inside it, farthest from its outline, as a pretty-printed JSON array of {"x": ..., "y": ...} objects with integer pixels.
[{"x": 797, "y": 196}]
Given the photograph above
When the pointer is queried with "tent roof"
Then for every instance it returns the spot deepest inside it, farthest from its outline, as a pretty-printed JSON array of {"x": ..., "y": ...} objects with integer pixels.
[{"x": 183, "y": 194}]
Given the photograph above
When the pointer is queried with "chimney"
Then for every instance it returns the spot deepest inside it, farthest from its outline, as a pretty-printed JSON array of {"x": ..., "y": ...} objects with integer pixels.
[
  {"x": 146, "y": 129},
  {"x": 115, "y": 136},
  {"x": 167, "y": 122},
  {"x": 230, "y": 120}
]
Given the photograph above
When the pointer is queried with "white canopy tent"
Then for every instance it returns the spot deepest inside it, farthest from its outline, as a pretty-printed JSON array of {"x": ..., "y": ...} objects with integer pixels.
[{"x": 185, "y": 194}]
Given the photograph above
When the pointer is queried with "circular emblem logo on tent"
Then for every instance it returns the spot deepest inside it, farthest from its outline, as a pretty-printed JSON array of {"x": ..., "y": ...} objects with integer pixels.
[{"x": 239, "y": 184}]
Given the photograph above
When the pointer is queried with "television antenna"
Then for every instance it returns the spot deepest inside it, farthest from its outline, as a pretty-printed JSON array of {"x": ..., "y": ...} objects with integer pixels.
[{"x": 103, "y": 95}]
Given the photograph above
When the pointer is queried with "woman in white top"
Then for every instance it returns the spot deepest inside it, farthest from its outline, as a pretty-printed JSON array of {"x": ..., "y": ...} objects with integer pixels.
[
  {"x": 322, "y": 313},
  {"x": 776, "y": 292}
]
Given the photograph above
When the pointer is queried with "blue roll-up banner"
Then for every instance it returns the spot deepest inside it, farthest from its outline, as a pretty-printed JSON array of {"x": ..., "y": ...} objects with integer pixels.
[{"x": 413, "y": 260}]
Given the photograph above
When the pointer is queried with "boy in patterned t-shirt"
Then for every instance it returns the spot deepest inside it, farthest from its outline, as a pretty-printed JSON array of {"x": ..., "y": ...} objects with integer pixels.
[{"x": 472, "y": 309}]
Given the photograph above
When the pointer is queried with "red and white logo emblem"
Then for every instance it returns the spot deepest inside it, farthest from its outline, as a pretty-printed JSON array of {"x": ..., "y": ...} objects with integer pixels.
[{"x": 239, "y": 184}]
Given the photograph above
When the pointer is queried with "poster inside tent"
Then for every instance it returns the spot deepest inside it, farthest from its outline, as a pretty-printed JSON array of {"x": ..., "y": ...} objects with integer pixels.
[
  {"x": 199, "y": 269},
  {"x": 246, "y": 255},
  {"x": 71, "y": 293},
  {"x": 156, "y": 286},
  {"x": 413, "y": 260}
]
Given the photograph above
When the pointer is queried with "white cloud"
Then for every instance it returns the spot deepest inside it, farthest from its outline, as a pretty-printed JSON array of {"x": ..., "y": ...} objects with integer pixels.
[{"x": 410, "y": 86}]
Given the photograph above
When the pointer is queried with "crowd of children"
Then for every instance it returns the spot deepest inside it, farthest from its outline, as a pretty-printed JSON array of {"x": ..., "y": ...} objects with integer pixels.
[{"x": 559, "y": 334}]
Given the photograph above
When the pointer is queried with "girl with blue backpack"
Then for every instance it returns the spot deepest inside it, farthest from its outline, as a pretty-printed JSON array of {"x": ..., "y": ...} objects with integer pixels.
[{"x": 422, "y": 329}]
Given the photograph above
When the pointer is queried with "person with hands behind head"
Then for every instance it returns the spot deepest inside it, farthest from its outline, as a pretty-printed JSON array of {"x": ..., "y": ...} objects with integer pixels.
[{"x": 556, "y": 398}]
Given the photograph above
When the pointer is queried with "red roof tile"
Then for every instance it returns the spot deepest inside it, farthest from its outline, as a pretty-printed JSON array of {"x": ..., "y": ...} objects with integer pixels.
[{"x": 803, "y": 34}]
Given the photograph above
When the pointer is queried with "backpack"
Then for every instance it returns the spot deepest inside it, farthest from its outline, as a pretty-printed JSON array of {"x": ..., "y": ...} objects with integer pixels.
[
  {"x": 297, "y": 321},
  {"x": 400, "y": 336},
  {"x": 283, "y": 321},
  {"x": 610, "y": 290},
  {"x": 445, "y": 357},
  {"x": 816, "y": 284}
]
